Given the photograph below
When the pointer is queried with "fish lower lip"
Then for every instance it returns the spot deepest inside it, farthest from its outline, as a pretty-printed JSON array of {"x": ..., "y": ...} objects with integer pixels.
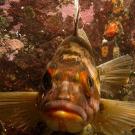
[{"x": 65, "y": 106}]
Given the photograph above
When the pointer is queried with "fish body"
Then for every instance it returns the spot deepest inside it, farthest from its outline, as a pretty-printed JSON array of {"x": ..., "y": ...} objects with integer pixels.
[
  {"x": 71, "y": 97},
  {"x": 74, "y": 97}
]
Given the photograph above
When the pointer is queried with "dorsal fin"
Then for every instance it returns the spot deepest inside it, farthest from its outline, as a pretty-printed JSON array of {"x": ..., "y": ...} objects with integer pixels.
[{"x": 76, "y": 18}]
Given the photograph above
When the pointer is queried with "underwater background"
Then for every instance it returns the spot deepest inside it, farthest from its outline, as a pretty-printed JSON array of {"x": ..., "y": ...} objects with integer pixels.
[{"x": 32, "y": 30}]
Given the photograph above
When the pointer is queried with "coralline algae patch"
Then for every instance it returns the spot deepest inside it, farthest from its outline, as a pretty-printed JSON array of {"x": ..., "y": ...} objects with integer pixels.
[{"x": 86, "y": 15}]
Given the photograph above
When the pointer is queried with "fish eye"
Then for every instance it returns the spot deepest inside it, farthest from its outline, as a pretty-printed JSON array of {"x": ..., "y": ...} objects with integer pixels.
[
  {"x": 90, "y": 82},
  {"x": 47, "y": 80}
]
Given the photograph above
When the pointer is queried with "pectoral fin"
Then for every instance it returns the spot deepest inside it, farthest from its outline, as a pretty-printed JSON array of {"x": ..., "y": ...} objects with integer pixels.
[
  {"x": 115, "y": 73},
  {"x": 115, "y": 117},
  {"x": 19, "y": 108}
]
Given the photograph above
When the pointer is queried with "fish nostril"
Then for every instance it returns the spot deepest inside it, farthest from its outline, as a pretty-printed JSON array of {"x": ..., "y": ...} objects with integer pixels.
[{"x": 63, "y": 92}]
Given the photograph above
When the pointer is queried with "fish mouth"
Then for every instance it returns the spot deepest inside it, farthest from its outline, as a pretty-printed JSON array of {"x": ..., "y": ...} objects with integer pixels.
[{"x": 64, "y": 109}]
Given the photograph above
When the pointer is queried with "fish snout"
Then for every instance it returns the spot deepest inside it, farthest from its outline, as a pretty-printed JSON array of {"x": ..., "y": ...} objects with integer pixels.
[{"x": 63, "y": 92}]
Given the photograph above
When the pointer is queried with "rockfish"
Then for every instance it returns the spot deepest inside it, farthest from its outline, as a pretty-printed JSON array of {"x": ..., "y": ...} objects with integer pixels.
[{"x": 71, "y": 97}]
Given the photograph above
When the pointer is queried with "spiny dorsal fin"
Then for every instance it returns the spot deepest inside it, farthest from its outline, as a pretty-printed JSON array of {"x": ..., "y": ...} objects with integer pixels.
[
  {"x": 79, "y": 32},
  {"x": 76, "y": 18},
  {"x": 83, "y": 35}
]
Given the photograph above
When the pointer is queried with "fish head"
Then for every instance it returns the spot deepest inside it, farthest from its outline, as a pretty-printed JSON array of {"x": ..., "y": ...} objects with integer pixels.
[{"x": 70, "y": 97}]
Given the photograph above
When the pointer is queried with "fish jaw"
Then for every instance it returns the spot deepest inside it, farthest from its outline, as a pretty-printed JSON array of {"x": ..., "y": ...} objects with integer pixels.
[{"x": 64, "y": 116}]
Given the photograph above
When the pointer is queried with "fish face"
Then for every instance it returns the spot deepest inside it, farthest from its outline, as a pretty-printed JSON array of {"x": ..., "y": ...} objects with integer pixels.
[{"x": 67, "y": 102}]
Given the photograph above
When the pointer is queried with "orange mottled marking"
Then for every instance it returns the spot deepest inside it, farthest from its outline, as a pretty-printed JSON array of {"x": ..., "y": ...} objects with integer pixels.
[
  {"x": 84, "y": 81},
  {"x": 83, "y": 77},
  {"x": 51, "y": 71}
]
